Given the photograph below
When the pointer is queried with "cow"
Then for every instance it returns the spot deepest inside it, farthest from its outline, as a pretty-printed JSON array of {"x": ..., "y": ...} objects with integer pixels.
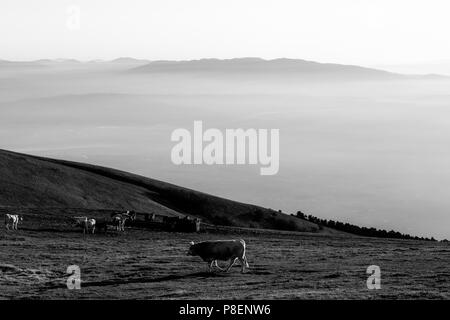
[
  {"x": 224, "y": 250},
  {"x": 91, "y": 225},
  {"x": 119, "y": 219},
  {"x": 13, "y": 220},
  {"x": 85, "y": 223},
  {"x": 130, "y": 214}
]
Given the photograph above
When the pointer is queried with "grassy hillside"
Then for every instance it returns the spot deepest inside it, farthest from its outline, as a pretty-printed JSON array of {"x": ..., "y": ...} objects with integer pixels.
[{"x": 30, "y": 181}]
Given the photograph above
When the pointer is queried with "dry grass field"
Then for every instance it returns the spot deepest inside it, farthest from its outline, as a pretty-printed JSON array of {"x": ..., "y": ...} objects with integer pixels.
[{"x": 144, "y": 264}]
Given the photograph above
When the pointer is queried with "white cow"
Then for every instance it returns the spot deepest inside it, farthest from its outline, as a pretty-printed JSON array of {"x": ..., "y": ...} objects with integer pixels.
[
  {"x": 13, "y": 220},
  {"x": 119, "y": 219},
  {"x": 85, "y": 223}
]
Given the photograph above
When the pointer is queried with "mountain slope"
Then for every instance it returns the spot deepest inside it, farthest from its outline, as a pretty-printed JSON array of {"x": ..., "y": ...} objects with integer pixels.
[{"x": 30, "y": 181}]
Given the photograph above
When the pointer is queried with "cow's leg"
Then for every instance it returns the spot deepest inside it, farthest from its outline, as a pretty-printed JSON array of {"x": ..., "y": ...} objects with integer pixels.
[
  {"x": 244, "y": 263},
  {"x": 232, "y": 261},
  {"x": 210, "y": 265},
  {"x": 93, "y": 229},
  {"x": 217, "y": 266}
]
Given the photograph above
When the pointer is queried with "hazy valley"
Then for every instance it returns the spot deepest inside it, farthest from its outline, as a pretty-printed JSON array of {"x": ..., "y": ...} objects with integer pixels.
[{"x": 355, "y": 145}]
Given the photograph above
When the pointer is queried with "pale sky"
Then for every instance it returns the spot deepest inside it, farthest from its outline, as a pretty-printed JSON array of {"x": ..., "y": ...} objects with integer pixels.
[{"x": 364, "y": 32}]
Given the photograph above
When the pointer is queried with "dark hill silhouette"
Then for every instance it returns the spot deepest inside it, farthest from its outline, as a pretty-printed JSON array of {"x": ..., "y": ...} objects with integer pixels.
[{"x": 36, "y": 182}]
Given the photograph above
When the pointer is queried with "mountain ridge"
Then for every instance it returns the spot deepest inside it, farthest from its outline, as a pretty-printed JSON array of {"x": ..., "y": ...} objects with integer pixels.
[{"x": 261, "y": 66}]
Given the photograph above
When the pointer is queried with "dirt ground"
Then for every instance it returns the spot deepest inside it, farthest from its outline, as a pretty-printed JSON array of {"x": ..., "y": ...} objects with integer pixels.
[{"x": 143, "y": 264}]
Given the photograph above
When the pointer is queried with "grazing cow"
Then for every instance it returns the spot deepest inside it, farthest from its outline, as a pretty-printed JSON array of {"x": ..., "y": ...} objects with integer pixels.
[
  {"x": 131, "y": 214},
  {"x": 119, "y": 219},
  {"x": 91, "y": 225},
  {"x": 224, "y": 250},
  {"x": 13, "y": 220},
  {"x": 85, "y": 223}
]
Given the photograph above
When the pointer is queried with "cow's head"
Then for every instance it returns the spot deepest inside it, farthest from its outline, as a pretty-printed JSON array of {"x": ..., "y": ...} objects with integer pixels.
[
  {"x": 191, "y": 251},
  {"x": 130, "y": 215},
  {"x": 21, "y": 218}
]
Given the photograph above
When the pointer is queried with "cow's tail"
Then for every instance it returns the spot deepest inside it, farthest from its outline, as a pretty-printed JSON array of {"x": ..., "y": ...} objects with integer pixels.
[{"x": 244, "y": 257}]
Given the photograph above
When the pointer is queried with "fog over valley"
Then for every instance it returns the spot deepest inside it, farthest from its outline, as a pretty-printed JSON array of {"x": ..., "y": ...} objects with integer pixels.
[{"x": 357, "y": 145}]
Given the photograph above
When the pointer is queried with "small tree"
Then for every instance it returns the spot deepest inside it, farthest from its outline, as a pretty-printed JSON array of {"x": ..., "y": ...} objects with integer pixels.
[{"x": 300, "y": 215}]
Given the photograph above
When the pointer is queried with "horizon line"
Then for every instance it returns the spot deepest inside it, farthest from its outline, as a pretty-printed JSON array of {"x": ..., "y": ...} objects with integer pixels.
[{"x": 145, "y": 60}]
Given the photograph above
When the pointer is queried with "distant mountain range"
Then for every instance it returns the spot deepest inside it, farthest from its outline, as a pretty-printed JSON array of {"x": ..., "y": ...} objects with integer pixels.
[
  {"x": 124, "y": 60},
  {"x": 258, "y": 66},
  {"x": 238, "y": 66},
  {"x": 129, "y": 60}
]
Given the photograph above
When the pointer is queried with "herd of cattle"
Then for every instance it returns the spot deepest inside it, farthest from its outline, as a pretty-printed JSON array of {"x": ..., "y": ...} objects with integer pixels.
[
  {"x": 118, "y": 220},
  {"x": 209, "y": 251},
  {"x": 88, "y": 225}
]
